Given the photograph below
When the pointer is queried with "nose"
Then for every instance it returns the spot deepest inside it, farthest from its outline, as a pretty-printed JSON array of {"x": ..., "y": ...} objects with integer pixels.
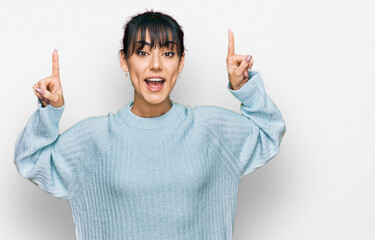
[{"x": 155, "y": 62}]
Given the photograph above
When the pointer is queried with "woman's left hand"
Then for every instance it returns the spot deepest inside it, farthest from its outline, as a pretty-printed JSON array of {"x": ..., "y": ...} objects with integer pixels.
[{"x": 237, "y": 65}]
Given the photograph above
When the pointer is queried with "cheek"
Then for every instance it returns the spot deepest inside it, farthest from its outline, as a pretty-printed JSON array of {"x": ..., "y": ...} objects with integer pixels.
[
  {"x": 173, "y": 68},
  {"x": 138, "y": 71}
]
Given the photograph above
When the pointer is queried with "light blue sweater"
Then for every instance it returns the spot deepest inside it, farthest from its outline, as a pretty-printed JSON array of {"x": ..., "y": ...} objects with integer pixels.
[{"x": 170, "y": 177}]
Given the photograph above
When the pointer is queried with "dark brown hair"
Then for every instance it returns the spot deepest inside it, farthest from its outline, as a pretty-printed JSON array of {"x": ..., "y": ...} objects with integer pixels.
[{"x": 160, "y": 27}]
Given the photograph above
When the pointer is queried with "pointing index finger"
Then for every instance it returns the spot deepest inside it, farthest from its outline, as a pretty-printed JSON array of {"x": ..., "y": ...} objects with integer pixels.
[
  {"x": 55, "y": 64},
  {"x": 230, "y": 43}
]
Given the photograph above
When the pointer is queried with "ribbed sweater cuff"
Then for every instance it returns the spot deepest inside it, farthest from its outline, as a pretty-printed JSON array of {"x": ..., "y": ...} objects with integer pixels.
[
  {"x": 54, "y": 114},
  {"x": 253, "y": 90}
]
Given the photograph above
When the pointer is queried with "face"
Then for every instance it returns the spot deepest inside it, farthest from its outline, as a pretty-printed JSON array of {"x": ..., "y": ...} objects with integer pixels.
[{"x": 153, "y": 64}]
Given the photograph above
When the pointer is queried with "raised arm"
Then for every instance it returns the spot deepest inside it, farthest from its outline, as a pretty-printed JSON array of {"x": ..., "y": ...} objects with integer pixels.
[
  {"x": 55, "y": 162},
  {"x": 261, "y": 128},
  {"x": 253, "y": 137}
]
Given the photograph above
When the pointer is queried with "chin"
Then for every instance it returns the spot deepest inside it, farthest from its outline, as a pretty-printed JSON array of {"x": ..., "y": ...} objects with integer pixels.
[{"x": 157, "y": 99}]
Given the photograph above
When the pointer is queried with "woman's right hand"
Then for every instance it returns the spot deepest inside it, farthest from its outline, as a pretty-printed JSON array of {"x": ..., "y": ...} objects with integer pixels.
[{"x": 49, "y": 89}]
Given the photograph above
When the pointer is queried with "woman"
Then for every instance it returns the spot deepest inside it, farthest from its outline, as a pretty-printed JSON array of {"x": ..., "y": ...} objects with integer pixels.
[{"x": 157, "y": 169}]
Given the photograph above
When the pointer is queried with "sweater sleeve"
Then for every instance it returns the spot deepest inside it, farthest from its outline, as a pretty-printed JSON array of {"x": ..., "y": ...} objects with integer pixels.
[
  {"x": 253, "y": 137},
  {"x": 55, "y": 162},
  {"x": 263, "y": 126}
]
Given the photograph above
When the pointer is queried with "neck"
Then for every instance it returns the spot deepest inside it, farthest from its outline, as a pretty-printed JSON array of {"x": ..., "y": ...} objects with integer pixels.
[{"x": 144, "y": 109}]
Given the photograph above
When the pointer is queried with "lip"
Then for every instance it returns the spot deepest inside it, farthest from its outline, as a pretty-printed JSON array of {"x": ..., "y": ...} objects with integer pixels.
[{"x": 160, "y": 77}]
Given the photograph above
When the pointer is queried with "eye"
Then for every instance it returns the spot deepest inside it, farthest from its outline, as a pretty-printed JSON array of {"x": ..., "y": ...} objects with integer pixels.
[
  {"x": 142, "y": 53},
  {"x": 169, "y": 54}
]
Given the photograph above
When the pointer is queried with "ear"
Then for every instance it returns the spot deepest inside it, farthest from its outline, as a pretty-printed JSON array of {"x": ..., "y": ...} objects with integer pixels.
[
  {"x": 123, "y": 62},
  {"x": 182, "y": 62}
]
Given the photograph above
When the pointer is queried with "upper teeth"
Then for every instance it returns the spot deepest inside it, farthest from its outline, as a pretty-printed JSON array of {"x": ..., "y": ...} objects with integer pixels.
[{"x": 154, "y": 79}]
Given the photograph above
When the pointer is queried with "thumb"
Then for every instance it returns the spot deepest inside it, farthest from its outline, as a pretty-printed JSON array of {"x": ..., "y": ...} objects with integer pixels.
[{"x": 243, "y": 66}]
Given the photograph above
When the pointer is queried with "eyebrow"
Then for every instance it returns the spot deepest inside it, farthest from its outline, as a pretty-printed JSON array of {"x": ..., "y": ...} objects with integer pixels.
[
  {"x": 143, "y": 42},
  {"x": 149, "y": 44}
]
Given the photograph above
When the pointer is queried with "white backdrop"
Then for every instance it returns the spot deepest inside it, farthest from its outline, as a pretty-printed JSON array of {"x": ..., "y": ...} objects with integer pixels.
[{"x": 317, "y": 62}]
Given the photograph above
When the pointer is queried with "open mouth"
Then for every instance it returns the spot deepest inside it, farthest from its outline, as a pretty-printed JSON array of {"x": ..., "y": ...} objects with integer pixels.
[{"x": 155, "y": 84}]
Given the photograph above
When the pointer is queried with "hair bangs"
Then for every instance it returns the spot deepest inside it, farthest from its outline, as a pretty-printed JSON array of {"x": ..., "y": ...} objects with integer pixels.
[{"x": 161, "y": 32}]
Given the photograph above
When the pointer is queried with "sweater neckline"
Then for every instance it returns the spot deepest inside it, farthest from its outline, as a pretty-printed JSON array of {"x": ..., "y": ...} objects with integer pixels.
[{"x": 168, "y": 118}]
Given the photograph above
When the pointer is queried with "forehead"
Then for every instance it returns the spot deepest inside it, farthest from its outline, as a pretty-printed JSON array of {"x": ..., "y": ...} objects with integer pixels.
[
  {"x": 154, "y": 40},
  {"x": 155, "y": 37}
]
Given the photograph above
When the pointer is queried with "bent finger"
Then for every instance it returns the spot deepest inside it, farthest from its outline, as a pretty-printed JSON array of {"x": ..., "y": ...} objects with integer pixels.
[
  {"x": 238, "y": 58},
  {"x": 35, "y": 87},
  {"x": 243, "y": 66},
  {"x": 43, "y": 90},
  {"x": 250, "y": 64},
  {"x": 246, "y": 75}
]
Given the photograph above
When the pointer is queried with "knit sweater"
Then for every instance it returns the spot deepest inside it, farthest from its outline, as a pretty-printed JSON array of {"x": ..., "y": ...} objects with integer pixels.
[{"x": 171, "y": 177}]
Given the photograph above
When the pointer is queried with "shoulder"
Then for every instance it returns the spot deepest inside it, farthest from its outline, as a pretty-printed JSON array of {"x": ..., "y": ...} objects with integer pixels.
[
  {"x": 89, "y": 128},
  {"x": 218, "y": 122},
  {"x": 216, "y": 115},
  {"x": 210, "y": 110},
  {"x": 92, "y": 122}
]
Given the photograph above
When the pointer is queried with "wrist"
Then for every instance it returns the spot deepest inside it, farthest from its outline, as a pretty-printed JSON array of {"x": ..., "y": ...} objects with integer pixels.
[{"x": 238, "y": 86}]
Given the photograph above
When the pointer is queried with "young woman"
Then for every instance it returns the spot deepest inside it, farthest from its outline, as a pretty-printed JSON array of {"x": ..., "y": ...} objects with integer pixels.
[{"x": 156, "y": 169}]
